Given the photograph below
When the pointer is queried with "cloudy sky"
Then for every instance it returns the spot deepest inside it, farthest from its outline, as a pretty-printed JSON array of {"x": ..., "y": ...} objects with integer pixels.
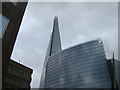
[{"x": 78, "y": 22}]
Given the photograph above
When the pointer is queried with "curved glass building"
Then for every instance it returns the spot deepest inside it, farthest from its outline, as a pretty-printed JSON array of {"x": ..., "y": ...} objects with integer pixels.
[{"x": 80, "y": 66}]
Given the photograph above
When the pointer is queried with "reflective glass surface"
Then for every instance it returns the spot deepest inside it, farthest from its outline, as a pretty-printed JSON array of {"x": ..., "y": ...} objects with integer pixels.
[
  {"x": 3, "y": 24},
  {"x": 81, "y": 66}
]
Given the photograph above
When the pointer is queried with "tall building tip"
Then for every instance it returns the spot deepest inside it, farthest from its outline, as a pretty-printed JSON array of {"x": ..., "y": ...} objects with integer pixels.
[{"x": 55, "y": 17}]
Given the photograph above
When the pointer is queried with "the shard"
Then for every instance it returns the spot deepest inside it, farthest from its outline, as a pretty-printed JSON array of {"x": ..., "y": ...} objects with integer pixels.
[{"x": 53, "y": 47}]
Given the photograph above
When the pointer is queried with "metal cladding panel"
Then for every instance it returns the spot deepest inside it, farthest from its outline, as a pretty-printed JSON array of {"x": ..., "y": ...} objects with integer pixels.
[{"x": 81, "y": 66}]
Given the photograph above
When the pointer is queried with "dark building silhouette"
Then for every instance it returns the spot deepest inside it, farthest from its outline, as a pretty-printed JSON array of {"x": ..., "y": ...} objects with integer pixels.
[
  {"x": 11, "y": 16},
  {"x": 114, "y": 67},
  {"x": 17, "y": 76},
  {"x": 81, "y": 66}
]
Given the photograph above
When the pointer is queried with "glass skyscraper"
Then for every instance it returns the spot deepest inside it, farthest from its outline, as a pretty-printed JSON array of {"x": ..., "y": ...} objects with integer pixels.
[{"x": 80, "y": 66}]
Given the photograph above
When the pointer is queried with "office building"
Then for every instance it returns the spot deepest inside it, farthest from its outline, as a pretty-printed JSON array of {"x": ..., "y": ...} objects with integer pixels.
[
  {"x": 17, "y": 76},
  {"x": 81, "y": 66},
  {"x": 11, "y": 16}
]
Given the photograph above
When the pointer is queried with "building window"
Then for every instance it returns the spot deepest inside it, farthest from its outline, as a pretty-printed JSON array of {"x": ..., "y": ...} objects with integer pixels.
[
  {"x": 14, "y": 2},
  {"x": 3, "y": 24}
]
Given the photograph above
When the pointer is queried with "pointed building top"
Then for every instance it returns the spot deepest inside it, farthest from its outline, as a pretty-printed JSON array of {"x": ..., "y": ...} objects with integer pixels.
[
  {"x": 54, "y": 47},
  {"x": 55, "y": 25},
  {"x": 55, "y": 17},
  {"x": 55, "y": 38},
  {"x": 55, "y": 42}
]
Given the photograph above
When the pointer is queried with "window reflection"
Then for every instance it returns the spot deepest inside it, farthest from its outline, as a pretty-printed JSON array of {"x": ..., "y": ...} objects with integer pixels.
[
  {"x": 81, "y": 66},
  {"x": 3, "y": 24}
]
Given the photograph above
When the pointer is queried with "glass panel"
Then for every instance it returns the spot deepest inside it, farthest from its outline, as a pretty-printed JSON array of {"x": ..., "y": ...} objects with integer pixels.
[
  {"x": 14, "y": 2},
  {"x": 83, "y": 66},
  {"x": 3, "y": 24}
]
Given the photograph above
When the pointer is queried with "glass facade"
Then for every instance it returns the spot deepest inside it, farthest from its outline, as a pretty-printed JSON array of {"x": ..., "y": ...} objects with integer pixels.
[
  {"x": 81, "y": 66},
  {"x": 3, "y": 24},
  {"x": 53, "y": 48}
]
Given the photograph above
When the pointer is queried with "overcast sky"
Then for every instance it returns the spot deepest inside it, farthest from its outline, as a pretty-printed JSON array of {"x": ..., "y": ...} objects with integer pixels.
[{"x": 78, "y": 23}]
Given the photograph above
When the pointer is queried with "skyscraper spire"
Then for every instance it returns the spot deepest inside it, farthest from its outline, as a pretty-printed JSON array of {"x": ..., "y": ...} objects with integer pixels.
[{"x": 53, "y": 47}]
